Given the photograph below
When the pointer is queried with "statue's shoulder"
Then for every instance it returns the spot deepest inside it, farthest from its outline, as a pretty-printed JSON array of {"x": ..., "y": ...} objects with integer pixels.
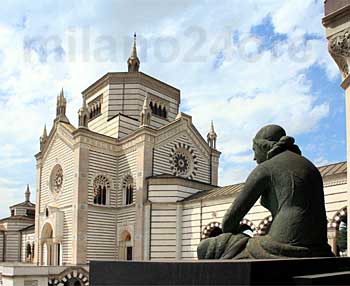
[{"x": 261, "y": 171}]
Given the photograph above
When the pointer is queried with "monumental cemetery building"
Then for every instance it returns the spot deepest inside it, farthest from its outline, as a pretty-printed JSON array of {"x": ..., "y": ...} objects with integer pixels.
[{"x": 135, "y": 180}]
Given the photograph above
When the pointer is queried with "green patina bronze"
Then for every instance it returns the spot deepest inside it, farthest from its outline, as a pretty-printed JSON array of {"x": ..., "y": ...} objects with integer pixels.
[{"x": 291, "y": 188}]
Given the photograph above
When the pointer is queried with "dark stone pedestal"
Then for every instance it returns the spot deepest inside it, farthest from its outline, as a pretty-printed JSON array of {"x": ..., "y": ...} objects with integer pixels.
[{"x": 307, "y": 271}]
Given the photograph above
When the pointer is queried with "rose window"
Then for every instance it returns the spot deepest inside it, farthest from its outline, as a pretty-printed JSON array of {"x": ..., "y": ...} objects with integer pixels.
[
  {"x": 56, "y": 179},
  {"x": 183, "y": 161}
]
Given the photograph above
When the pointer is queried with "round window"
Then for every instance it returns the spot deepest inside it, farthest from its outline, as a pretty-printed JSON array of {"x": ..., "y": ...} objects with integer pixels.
[
  {"x": 182, "y": 163},
  {"x": 56, "y": 180}
]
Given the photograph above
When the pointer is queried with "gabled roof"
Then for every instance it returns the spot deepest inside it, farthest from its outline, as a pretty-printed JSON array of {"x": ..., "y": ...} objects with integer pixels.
[
  {"x": 230, "y": 190},
  {"x": 24, "y": 204}
]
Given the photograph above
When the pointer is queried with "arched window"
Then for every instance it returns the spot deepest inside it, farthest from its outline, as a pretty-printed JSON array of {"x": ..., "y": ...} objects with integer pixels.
[
  {"x": 94, "y": 107},
  {"x": 101, "y": 188},
  {"x": 158, "y": 109},
  {"x": 129, "y": 195},
  {"x": 33, "y": 250},
  {"x": 128, "y": 190},
  {"x": 28, "y": 252}
]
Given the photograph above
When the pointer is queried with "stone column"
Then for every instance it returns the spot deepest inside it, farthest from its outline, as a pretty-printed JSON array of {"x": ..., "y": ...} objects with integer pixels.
[
  {"x": 37, "y": 246},
  {"x": 147, "y": 231},
  {"x": 144, "y": 170},
  {"x": 80, "y": 201},
  {"x": 179, "y": 231},
  {"x": 332, "y": 238},
  {"x": 337, "y": 26},
  {"x": 215, "y": 156}
]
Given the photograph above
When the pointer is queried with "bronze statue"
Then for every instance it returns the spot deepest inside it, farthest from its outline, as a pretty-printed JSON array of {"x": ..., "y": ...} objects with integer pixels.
[{"x": 291, "y": 188}]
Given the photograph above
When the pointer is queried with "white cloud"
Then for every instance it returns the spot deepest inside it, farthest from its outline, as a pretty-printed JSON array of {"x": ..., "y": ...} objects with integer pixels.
[{"x": 240, "y": 95}]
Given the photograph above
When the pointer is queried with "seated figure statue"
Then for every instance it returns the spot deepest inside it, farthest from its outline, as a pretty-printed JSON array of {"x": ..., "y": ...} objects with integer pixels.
[{"x": 291, "y": 188}]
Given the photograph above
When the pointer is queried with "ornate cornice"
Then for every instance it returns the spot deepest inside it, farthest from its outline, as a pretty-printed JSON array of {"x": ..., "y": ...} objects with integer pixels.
[{"x": 339, "y": 48}]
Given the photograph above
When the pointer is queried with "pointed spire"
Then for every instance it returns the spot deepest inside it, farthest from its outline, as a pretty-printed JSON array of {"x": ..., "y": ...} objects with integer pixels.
[
  {"x": 133, "y": 61},
  {"x": 61, "y": 108},
  {"x": 145, "y": 115},
  {"x": 211, "y": 137},
  {"x": 43, "y": 138},
  {"x": 45, "y": 132},
  {"x": 27, "y": 194},
  {"x": 83, "y": 114}
]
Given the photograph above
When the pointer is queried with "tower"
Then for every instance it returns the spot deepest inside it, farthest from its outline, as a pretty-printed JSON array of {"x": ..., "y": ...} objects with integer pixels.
[
  {"x": 211, "y": 137},
  {"x": 83, "y": 114},
  {"x": 43, "y": 138},
  {"x": 27, "y": 194},
  {"x": 133, "y": 60},
  {"x": 61, "y": 108},
  {"x": 146, "y": 113}
]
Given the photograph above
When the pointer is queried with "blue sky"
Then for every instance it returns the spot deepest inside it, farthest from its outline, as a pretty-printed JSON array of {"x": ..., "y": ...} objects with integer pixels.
[{"x": 243, "y": 64}]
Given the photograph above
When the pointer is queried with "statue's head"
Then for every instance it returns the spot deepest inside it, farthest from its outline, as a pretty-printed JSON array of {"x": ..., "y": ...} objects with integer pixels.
[{"x": 265, "y": 140}]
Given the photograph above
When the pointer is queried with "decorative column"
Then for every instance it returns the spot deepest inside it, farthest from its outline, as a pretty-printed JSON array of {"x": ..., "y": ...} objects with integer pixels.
[
  {"x": 37, "y": 247},
  {"x": 337, "y": 24},
  {"x": 80, "y": 199},
  {"x": 179, "y": 211},
  {"x": 332, "y": 238},
  {"x": 144, "y": 170}
]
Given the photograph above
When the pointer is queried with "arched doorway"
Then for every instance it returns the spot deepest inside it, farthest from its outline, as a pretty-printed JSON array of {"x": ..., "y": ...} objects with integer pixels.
[
  {"x": 74, "y": 282},
  {"x": 339, "y": 225},
  {"x": 247, "y": 227},
  {"x": 51, "y": 251},
  {"x": 125, "y": 246},
  {"x": 264, "y": 226},
  {"x": 212, "y": 229}
]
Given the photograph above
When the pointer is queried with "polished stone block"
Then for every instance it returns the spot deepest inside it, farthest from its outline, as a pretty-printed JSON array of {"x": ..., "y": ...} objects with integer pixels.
[{"x": 241, "y": 272}]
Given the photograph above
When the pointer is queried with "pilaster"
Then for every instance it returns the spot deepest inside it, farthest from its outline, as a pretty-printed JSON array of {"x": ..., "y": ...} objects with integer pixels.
[
  {"x": 214, "y": 160},
  {"x": 179, "y": 231},
  {"x": 37, "y": 211},
  {"x": 80, "y": 202},
  {"x": 144, "y": 170}
]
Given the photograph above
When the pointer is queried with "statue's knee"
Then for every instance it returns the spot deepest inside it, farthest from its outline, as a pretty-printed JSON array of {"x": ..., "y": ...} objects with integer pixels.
[{"x": 202, "y": 249}]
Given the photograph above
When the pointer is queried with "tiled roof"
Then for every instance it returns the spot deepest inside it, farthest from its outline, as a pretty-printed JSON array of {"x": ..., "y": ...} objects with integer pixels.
[
  {"x": 333, "y": 169},
  {"x": 216, "y": 193},
  {"x": 227, "y": 191},
  {"x": 24, "y": 204}
]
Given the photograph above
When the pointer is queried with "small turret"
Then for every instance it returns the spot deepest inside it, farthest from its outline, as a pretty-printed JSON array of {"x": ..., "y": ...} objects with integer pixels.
[
  {"x": 145, "y": 115},
  {"x": 43, "y": 138},
  {"x": 133, "y": 61},
  {"x": 211, "y": 137},
  {"x": 61, "y": 108},
  {"x": 27, "y": 194},
  {"x": 83, "y": 114}
]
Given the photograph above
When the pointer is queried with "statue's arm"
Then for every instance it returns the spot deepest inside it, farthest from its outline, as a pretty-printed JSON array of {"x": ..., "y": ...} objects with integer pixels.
[{"x": 257, "y": 182}]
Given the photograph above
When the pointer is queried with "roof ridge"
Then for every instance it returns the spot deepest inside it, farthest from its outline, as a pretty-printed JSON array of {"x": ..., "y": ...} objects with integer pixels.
[{"x": 331, "y": 164}]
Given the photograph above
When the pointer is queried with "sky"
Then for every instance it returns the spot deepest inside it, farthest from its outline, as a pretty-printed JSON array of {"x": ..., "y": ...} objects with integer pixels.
[{"x": 242, "y": 64}]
